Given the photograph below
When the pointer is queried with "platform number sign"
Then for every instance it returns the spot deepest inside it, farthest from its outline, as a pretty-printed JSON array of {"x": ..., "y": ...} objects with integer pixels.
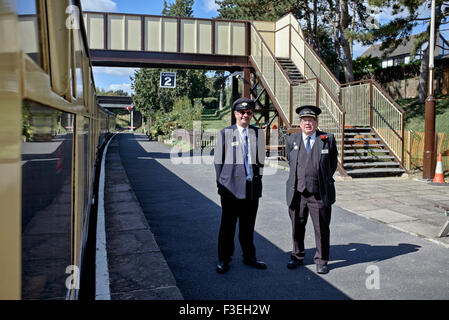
[{"x": 168, "y": 80}]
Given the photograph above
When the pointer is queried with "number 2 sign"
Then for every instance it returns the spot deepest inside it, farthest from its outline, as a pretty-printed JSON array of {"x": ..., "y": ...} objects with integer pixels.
[{"x": 168, "y": 80}]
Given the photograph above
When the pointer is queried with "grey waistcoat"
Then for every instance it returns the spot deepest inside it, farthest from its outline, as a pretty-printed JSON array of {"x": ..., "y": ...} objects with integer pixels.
[{"x": 306, "y": 173}]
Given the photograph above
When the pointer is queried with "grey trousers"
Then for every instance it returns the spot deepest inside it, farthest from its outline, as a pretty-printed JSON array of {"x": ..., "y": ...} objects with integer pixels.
[{"x": 303, "y": 204}]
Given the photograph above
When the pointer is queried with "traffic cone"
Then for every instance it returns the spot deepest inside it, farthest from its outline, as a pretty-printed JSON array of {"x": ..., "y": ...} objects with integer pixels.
[{"x": 439, "y": 177}]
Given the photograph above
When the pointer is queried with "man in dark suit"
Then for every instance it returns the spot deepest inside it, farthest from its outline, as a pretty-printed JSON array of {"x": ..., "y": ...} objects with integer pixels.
[
  {"x": 312, "y": 157},
  {"x": 239, "y": 158}
]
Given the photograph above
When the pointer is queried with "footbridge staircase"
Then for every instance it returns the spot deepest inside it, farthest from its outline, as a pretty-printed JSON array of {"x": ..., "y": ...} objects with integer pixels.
[{"x": 280, "y": 71}]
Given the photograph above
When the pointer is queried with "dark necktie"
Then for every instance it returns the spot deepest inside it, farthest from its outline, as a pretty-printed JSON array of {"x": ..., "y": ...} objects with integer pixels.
[
  {"x": 308, "y": 147},
  {"x": 249, "y": 171}
]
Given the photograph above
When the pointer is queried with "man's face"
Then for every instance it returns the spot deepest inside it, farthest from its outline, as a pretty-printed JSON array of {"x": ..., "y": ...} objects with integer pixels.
[
  {"x": 308, "y": 125},
  {"x": 243, "y": 117}
]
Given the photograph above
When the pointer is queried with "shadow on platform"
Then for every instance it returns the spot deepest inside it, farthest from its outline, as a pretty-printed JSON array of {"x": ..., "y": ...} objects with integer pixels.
[{"x": 185, "y": 224}]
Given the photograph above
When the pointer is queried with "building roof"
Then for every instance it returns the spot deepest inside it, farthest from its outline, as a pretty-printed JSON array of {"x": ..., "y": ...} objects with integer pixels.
[{"x": 402, "y": 49}]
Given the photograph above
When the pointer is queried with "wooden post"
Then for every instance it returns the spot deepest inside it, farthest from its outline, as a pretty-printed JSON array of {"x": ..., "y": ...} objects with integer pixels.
[
  {"x": 371, "y": 101},
  {"x": 246, "y": 92},
  {"x": 266, "y": 114},
  {"x": 234, "y": 94},
  {"x": 429, "y": 123}
]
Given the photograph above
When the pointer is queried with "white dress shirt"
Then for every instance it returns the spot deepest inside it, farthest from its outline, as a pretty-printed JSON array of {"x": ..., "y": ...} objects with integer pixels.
[{"x": 312, "y": 139}]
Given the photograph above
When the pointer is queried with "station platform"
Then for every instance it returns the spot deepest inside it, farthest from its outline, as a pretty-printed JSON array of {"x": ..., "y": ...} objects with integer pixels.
[{"x": 162, "y": 215}]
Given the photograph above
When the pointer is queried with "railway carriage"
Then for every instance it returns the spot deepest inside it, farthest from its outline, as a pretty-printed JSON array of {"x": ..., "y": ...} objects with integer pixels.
[{"x": 51, "y": 131}]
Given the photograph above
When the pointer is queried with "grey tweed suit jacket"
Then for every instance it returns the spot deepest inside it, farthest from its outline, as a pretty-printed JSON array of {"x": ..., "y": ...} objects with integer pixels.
[{"x": 229, "y": 163}]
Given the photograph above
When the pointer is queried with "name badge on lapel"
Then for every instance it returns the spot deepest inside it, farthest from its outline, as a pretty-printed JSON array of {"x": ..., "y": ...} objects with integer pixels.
[
  {"x": 235, "y": 143},
  {"x": 325, "y": 151}
]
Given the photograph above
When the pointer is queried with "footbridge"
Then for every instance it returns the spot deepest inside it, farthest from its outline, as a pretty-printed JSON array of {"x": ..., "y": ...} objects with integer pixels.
[{"x": 280, "y": 71}]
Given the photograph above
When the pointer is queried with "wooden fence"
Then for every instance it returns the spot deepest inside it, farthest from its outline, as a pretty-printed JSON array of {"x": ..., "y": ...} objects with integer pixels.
[{"x": 414, "y": 150}]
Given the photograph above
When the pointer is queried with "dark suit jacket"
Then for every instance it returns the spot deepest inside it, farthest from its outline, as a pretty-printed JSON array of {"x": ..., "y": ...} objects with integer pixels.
[
  {"x": 229, "y": 163},
  {"x": 327, "y": 164}
]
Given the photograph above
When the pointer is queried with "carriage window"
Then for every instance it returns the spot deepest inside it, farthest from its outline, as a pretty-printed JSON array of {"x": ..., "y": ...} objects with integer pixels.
[
  {"x": 29, "y": 29},
  {"x": 46, "y": 201}
]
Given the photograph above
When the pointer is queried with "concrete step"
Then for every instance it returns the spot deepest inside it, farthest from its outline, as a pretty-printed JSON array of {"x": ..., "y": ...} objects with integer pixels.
[
  {"x": 375, "y": 171},
  {"x": 356, "y": 151},
  {"x": 364, "y": 145},
  {"x": 370, "y": 164},
  {"x": 373, "y": 158},
  {"x": 353, "y": 134},
  {"x": 357, "y": 129},
  {"x": 362, "y": 139}
]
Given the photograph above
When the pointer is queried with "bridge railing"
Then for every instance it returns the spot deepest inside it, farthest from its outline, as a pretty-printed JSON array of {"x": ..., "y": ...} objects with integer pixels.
[
  {"x": 367, "y": 104},
  {"x": 387, "y": 120},
  {"x": 268, "y": 68},
  {"x": 355, "y": 97},
  {"x": 114, "y": 31}
]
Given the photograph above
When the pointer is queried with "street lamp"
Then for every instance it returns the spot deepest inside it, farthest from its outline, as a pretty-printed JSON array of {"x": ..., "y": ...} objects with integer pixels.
[{"x": 429, "y": 125}]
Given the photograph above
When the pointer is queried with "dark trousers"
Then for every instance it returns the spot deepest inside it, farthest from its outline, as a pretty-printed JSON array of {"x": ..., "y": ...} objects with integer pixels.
[
  {"x": 245, "y": 211},
  {"x": 305, "y": 203}
]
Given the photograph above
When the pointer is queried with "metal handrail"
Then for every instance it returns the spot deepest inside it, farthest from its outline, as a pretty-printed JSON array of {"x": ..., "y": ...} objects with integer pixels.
[
  {"x": 386, "y": 122},
  {"x": 271, "y": 53}
]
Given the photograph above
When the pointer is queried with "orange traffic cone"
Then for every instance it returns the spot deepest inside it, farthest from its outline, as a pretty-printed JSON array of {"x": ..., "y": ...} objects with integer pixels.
[{"x": 439, "y": 177}]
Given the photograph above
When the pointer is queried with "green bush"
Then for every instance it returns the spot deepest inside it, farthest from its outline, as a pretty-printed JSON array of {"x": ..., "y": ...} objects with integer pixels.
[
  {"x": 210, "y": 103},
  {"x": 182, "y": 116}
]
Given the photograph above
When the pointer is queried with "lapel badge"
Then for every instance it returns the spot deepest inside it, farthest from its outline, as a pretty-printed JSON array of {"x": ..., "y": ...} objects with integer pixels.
[{"x": 235, "y": 143}]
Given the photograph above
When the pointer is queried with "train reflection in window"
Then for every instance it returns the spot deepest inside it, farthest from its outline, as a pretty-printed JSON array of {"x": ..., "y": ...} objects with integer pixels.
[{"x": 46, "y": 201}]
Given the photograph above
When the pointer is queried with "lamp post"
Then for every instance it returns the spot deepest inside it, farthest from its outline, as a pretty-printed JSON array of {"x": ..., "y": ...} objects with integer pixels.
[{"x": 429, "y": 125}]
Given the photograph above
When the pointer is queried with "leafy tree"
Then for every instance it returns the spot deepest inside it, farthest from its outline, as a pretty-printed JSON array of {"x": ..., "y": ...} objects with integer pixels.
[
  {"x": 103, "y": 92},
  {"x": 270, "y": 10},
  {"x": 366, "y": 65},
  {"x": 219, "y": 86},
  {"x": 406, "y": 15},
  {"x": 330, "y": 26},
  {"x": 180, "y": 8}
]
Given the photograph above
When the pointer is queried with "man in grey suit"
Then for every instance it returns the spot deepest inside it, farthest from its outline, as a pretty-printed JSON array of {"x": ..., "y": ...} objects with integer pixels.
[
  {"x": 312, "y": 157},
  {"x": 239, "y": 158}
]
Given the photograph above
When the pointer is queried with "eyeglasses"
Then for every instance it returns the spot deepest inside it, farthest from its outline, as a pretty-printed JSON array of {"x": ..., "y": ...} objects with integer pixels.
[
  {"x": 308, "y": 120},
  {"x": 242, "y": 112}
]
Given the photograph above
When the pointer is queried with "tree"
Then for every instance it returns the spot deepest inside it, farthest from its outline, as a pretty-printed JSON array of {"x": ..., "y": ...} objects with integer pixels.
[
  {"x": 343, "y": 18},
  {"x": 180, "y": 8},
  {"x": 399, "y": 30},
  {"x": 270, "y": 10},
  {"x": 103, "y": 92},
  {"x": 366, "y": 65},
  {"x": 219, "y": 86}
]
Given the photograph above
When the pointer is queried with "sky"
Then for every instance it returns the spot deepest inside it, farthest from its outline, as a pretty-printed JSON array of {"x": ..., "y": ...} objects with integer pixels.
[{"x": 118, "y": 78}]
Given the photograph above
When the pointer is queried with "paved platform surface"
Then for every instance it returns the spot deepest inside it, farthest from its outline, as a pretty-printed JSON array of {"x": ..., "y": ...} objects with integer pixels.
[
  {"x": 137, "y": 268},
  {"x": 380, "y": 227}
]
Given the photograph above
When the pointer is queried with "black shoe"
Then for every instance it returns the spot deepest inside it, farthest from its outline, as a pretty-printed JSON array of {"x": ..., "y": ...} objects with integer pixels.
[
  {"x": 321, "y": 268},
  {"x": 255, "y": 263},
  {"x": 293, "y": 264},
  {"x": 222, "y": 267}
]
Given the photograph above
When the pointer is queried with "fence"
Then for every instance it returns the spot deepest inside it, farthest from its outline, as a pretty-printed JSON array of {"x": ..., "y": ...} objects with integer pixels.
[{"x": 414, "y": 150}]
